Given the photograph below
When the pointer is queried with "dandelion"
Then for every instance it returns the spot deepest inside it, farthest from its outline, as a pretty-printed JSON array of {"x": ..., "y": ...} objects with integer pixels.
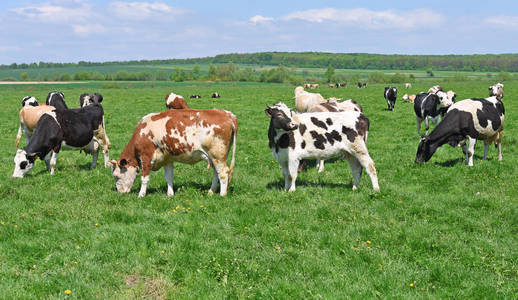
[
  {"x": 68, "y": 292},
  {"x": 201, "y": 206},
  {"x": 75, "y": 262},
  {"x": 368, "y": 242},
  {"x": 116, "y": 262},
  {"x": 15, "y": 226},
  {"x": 246, "y": 228},
  {"x": 163, "y": 251},
  {"x": 96, "y": 224},
  {"x": 3, "y": 223},
  {"x": 411, "y": 284}
]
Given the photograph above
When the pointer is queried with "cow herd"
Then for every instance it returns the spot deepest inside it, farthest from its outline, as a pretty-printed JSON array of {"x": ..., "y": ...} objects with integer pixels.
[{"x": 319, "y": 129}]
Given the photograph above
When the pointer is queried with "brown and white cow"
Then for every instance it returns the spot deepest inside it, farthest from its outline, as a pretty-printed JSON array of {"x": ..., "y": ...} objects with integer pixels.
[
  {"x": 408, "y": 85},
  {"x": 30, "y": 113},
  {"x": 497, "y": 90},
  {"x": 186, "y": 136},
  {"x": 434, "y": 89},
  {"x": 173, "y": 101},
  {"x": 305, "y": 100}
]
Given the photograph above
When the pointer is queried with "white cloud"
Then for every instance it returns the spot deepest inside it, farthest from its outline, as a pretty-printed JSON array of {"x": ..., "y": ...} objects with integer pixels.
[
  {"x": 56, "y": 11},
  {"x": 504, "y": 22},
  {"x": 370, "y": 19},
  {"x": 260, "y": 19},
  {"x": 87, "y": 29},
  {"x": 144, "y": 10}
]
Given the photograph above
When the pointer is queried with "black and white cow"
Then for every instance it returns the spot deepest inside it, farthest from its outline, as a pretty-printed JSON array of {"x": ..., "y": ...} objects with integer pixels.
[
  {"x": 430, "y": 107},
  {"x": 29, "y": 101},
  {"x": 293, "y": 137},
  {"x": 391, "y": 96},
  {"x": 497, "y": 90},
  {"x": 68, "y": 128},
  {"x": 195, "y": 97},
  {"x": 215, "y": 95},
  {"x": 359, "y": 84},
  {"x": 471, "y": 120},
  {"x": 87, "y": 99}
]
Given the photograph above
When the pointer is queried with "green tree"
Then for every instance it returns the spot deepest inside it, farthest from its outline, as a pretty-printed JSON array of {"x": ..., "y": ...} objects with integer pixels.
[
  {"x": 212, "y": 72},
  {"x": 24, "y": 76},
  {"x": 196, "y": 73},
  {"x": 330, "y": 72}
]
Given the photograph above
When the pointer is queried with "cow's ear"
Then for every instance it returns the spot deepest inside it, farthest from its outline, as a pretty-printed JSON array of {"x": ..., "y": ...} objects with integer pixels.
[
  {"x": 123, "y": 162},
  {"x": 268, "y": 112},
  {"x": 99, "y": 97},
  {"x": 31, "y": 157}
]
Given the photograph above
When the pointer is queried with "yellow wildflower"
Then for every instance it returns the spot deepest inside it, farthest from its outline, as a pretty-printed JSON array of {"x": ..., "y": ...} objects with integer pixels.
[{"x": 68, "y": 292}]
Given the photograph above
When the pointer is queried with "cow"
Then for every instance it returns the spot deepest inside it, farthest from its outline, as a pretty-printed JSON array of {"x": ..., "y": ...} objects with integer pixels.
[
  {"x": 63, "y": 128},
  {"x": 343, "y": 84},
  {"x": 305, "y": 100},
  {"x": 307, "y": 85},
  {"x": 408, "y": 85},
  {"x": 173, "y": 101},
  {"x": 195, "y": 97},
  {"x": 184, "y": 135},
  {"x": 408, "y": 98},
  {"x": 293, "y": 137},
  {"x": 391, "y": 96},
  {"x": 215, "y": 95},
  {"x": 359, "y": 85},
  {"x": 333, "y": 106},
  {"x": 497, "y": 90},
  {"x": 314, "y": 86},
  {"x": 331, "y": 85},
  {"x": 365, "y": 84},
  {"x": 430, "y": 107},
  {"x": 452, "y": 95},
  {"x": 87, "y": 99},
  {"x": 434, "y": 89},
  {"x": 471, "y": 120},
  {"x": 29, "y": 116},
  {"x": 29, "y": 101}
]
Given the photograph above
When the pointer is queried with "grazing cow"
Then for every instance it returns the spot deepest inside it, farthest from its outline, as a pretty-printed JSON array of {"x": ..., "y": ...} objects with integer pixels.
[
  {"x": 186, "y": 136},
  {"x": 29, "y": 116},
  {"x": 305, "y": 100},
  {"x": 497, "y": 90},
  {"x": 391, "y": 96},
  {"x": 87, "y": 99},
  {"x": 215, "y": 95},
  {"x": 173, "y": 101},
  {"x": 29, "y": 101},
  {"x": 331, "y": 85},
  {"x": 314, "y": 86},
  {"x": 333, "y": 106},
  {"x": 67, "y": 128},
  {"x": 470, "y": 119},
  {"x": 408, "y": 85},
  {"x": 434, "y": 89},
  {"x": 307, "y": 85},
  {"x": 359, "y": 85},
  {"x": 365, "y": 84},
  {"x": 293, "y": 137},
  {"x": 195, "y": 96},
  {"x": 430, "y": 107},
  {"x": 343, "y": 84}
]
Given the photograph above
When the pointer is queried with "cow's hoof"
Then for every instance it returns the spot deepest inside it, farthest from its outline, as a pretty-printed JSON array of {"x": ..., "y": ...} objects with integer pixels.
[
  {"x": 141, "y": 195},
  {"x": 355, "y": 188},
  {"x": 210, "y": 192}
]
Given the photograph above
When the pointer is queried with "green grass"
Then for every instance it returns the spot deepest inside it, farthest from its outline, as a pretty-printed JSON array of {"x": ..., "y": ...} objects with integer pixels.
[{"x": 448, "y": 229}]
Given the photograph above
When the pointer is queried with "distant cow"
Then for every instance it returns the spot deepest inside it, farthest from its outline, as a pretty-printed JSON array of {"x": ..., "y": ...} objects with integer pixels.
[
  {"x": 359, "y": 85},
  {"x": 305, "y": 100},
  {"x": 215, "y": 95},
  {"x": 74, "y": 128},
  {"x": 408, "y": 85},
  {"x": 331, "y": 85},
  {"x": 365, "y": 84},
  {"x": 434, "y": 89},
  {"x": 391, "y": 96},
  {"x": 427, "y": 107},
  {"x": 497, "y": 90},
  {"x": 293, "y": 137},
  {"x": 87, "y": 99},
  {"x": 173, "y": 101},
  {"x": 343, "y": 84},
  {"x": 470, "y": 119},
  {"x": 314, "y": 86},
  {"x": 307, "y": 85},
  {"x": 195, "y": 97},
  {"x": 184, "y": 135},
  {"x": 30, "y": 113},
  {"x": 409, "y": 98}
]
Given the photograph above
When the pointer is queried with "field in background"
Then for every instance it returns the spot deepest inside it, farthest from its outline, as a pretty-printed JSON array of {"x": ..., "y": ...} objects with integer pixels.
[{"x": 436, "y": 230}]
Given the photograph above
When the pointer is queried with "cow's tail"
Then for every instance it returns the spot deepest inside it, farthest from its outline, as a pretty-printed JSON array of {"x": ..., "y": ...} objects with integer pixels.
[
  {"x": 18, "y": 136},
  {"x": 234, "y": 141}
]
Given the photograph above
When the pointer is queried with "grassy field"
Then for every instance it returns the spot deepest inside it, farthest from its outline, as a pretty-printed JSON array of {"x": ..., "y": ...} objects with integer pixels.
[{"x": 436, "y": 230}]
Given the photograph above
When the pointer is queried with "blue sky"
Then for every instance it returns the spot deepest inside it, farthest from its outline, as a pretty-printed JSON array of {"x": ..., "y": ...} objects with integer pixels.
[{"x": 92, "y": 30}]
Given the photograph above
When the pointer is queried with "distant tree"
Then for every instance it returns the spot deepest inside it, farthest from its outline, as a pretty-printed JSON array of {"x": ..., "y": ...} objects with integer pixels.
[
  {"x": 212, "y": 72},
  {"x": 24, "y": 76},
  {"x": 196, "y": 73},
  {"x": 65, "y": 77},
  {"x": 430, "y": 73},
  {"x": 330, "y": 72}
]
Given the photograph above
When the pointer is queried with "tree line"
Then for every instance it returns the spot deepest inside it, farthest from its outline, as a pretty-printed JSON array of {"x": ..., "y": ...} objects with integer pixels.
[{"x": 475, "y": 63}]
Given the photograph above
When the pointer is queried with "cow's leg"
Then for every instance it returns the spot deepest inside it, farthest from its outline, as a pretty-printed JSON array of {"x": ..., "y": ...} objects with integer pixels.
[
  {"x": 426, "y": 125},
  {"x": 293, "y": 165},
  {"x": 143, "y": 185},
  {"x": 320, "y": 163},
  {"x": 356, "y": 169},
  {"x": 215, "y": 182},
  {"x": 94, "y": 149},
  {"x": 146, "y": 170},
  {"x": 19, "y": 136},
  {"x": 223, "y": 171},
  {"x": 47, "y": 160},
  {"x": 388, "y": 105},
  {"x": 419, "y": 121},
  {"x": 53, "y": 160},
  {"x": 168, "y": 174},
  {"x": 498, "y": 142},
  {"x": 368, "y": 164},
  {"x": 471, "y": 151},
  {"x": 104, "y": 142},
  {"x": 486, "y": 148}
]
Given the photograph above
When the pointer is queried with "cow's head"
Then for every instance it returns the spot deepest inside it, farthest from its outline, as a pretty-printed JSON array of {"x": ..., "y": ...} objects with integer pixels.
[
  {"x": 23, "y": 163},
  {"x": 282, "y": 117},
  {"x": 124, "y": 174},
  {"x": 424, "y": 151},
  {"x": 444, "y": 99},
  {"x": 88, "y": 99},
  {"x": 496, "y": 90},
  {"x": 56, "y": 99},
  {"x": 173, "y": 101},
  {"x": 299, "y": 90},
  {"x": 29, "y": 101}
]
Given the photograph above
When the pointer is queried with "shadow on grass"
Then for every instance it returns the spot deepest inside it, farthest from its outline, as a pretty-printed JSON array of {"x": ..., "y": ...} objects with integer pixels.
[
  {"x": 202, "y": 187},
  {"x": 279, "y": 184},
  {"x": 456, "y": 161}
]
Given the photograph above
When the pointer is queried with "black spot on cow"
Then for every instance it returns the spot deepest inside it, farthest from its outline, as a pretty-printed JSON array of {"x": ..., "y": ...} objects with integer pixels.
[
  {"x": 362, "y": 125},
  {"x": 283, "y": 141},
  {"x": 489, "y": 113},
  {"x": 302, "y": 129},
  {"x": 330, "y": 106},
  {"x": 291, "y": 137},
  {"x": 303, "y": 145},
  {"x": 333, "y": 136},
  {"x": 318, "y": 123},
  {"x": 319, "y": 140},
  {"x": 329, "y": 121},
  {"x": 350, "y": 133}
]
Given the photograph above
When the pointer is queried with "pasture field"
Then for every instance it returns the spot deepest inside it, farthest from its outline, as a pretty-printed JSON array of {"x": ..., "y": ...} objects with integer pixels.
[{"x": 436, "y": 230}]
